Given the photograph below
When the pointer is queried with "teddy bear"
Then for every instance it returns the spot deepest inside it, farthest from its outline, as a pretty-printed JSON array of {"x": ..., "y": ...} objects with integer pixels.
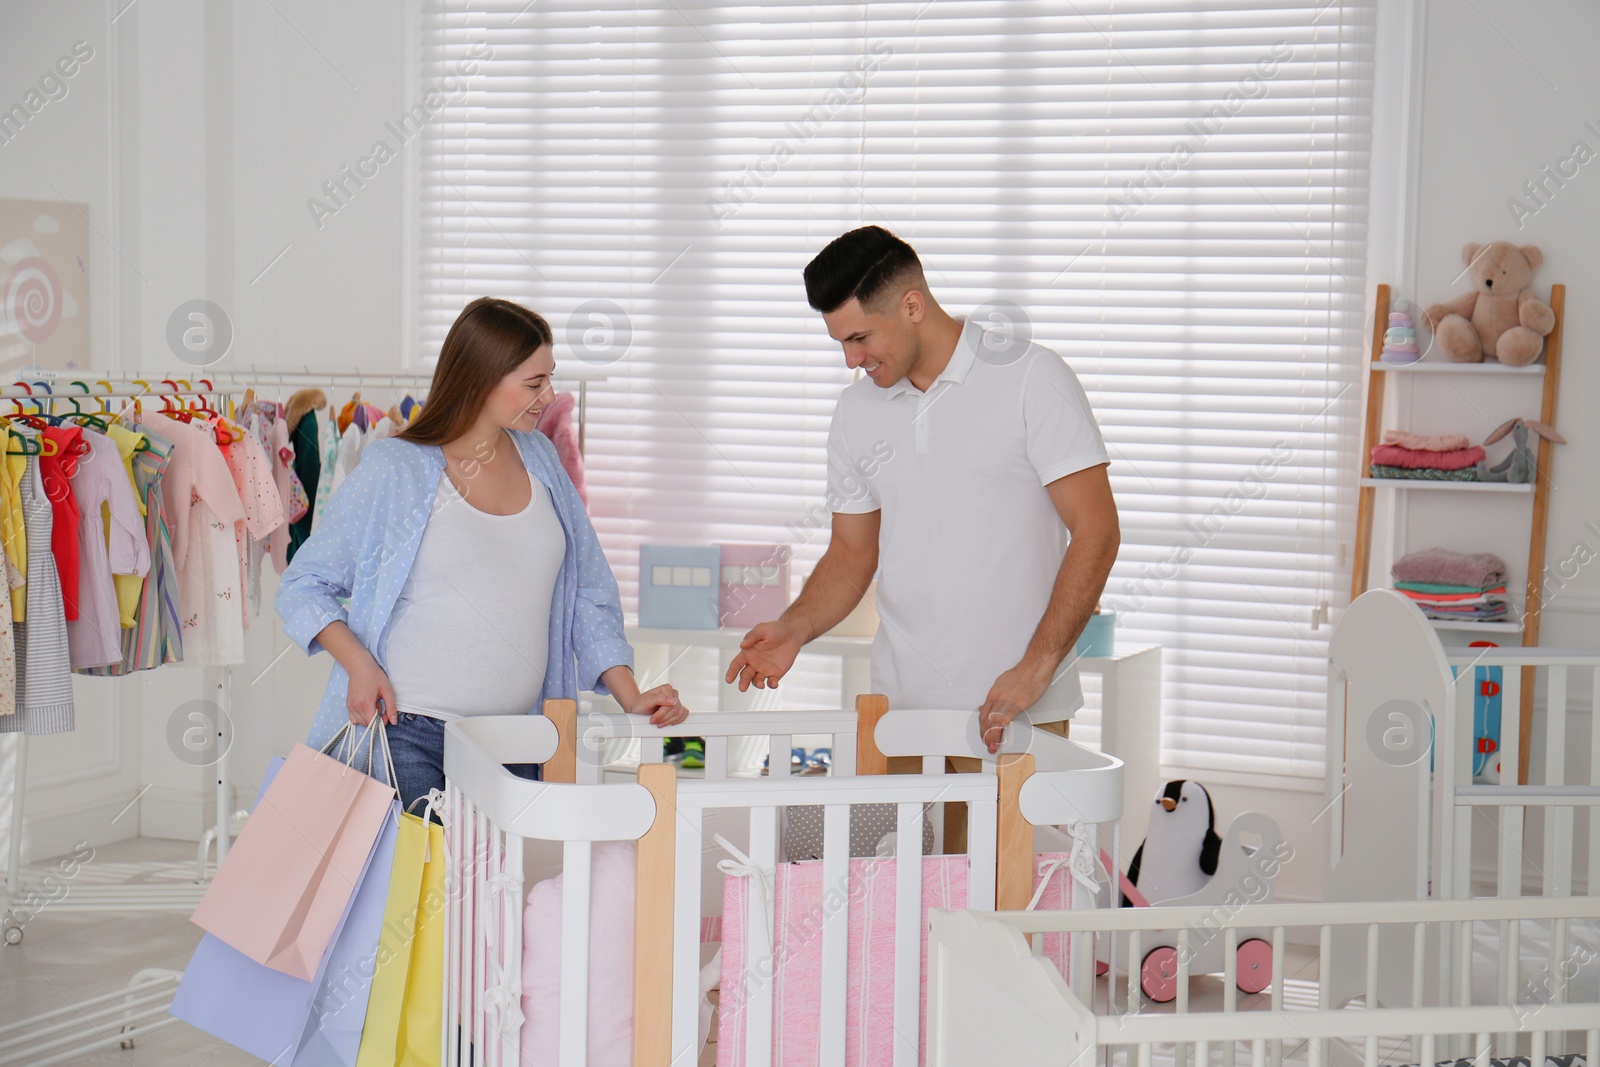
[{"x": 1500, "y": 317}]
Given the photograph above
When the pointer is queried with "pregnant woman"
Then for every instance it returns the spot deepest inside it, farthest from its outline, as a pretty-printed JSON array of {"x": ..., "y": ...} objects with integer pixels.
[{"x": 455, "y": 572}]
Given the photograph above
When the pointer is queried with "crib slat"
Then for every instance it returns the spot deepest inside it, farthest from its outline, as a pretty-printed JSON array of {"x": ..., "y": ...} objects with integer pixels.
[
  {"x": 908, "y": 934},
  {"x": 1557, "y": 822},
  {"x": 1277, "y": 988},
  {"x": 1510, "y": 865},
  {"x": 575, "y": 858},
  {"x": 480, "y": 935},
  {"x": 760, "y": 956},
  {"x": 496, "y": 948},
  {"x": 1558, "y": 845},
  {"x": 716, "y": 758},
  {"x": 779, "y": 756},
  {"x": 835, "y": 930},
  {"x": 1592, "y": 886},
  {"x": 1510, "y": 969},
  {"x": 454, "y": 908},
  {"x": 844, "y": 754},
  {"x": 686, "y": 934},
  {"x": 981, "y": 815},
  {"x": 1510, "y": 725},
  {"x": 511, "y": 948},
  {"x": 652, "y": 749},
  {"x": 653, "y": 920}
]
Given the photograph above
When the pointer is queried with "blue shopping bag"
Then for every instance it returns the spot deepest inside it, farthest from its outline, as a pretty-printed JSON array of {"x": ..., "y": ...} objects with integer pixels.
[{"x": 276, "y": 1016}]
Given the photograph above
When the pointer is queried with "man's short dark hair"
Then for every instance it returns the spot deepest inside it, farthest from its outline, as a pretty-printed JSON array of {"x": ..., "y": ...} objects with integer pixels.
[{"x": 861, "y": 265}]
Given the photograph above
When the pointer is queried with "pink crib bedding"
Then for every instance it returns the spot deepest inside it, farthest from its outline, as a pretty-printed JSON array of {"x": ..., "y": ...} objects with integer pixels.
[{"x": 798, "y": 909}]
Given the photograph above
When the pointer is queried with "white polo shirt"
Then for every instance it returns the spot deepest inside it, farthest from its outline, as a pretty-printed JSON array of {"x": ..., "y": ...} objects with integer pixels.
[{"x": 970, "y": 542}]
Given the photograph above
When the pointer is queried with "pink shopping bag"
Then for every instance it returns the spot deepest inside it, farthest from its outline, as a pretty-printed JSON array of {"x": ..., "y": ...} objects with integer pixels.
[{"x": 288, "y": 879}]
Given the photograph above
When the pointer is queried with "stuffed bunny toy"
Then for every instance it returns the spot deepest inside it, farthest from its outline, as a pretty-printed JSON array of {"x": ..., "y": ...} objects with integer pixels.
[{"x": 1518, "y": 466}]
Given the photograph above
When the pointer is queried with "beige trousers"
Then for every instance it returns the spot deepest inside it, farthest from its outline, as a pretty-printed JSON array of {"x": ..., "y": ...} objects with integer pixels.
[{"x": 955, "y": 815}]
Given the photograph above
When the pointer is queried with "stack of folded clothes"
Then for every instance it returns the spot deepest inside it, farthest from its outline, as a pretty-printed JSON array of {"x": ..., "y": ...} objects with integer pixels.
[
  {"x": 1408, "y": 455},
  {"x": 1452, "y": 585}
]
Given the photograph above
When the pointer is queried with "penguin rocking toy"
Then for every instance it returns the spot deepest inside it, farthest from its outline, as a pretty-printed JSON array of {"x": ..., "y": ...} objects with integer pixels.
[{"x": 1179, "y": 853}]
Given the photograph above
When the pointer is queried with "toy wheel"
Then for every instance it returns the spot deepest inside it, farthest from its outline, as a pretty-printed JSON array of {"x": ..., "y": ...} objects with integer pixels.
[
  {"x": 13, "y": 935},
  {"x": 1159, "y": 974},
  {"x": 1254, "y": 959}
]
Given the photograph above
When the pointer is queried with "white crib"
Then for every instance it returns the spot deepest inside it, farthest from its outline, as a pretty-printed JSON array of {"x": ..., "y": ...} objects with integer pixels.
[
  {"x": 1038, "y": 779},
  {"x": 1517, "y": 984},
  {"x": 1406, "y": 820}
]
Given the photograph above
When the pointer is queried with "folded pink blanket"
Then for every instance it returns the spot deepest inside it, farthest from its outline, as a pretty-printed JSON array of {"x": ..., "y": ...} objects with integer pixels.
[
  {"x": 1398, "y": 456},
  {"x": 1451, "y": 442},
  {"x": 799, "y": 904},
  {"x": 1440, "y": 565}
]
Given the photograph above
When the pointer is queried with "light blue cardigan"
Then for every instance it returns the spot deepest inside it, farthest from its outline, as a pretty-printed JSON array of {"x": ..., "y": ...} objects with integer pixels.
[{"x": 355, "y": 564}]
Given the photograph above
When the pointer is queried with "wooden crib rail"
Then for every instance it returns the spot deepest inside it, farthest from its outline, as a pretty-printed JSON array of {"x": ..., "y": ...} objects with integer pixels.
[{"x": 652, "y": 929}]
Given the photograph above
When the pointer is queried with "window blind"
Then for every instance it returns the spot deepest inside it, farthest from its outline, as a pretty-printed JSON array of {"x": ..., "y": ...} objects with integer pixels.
[{"x": 1170, "y": 193}]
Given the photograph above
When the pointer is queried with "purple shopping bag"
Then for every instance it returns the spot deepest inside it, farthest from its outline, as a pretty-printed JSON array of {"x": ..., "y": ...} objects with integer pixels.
[{"x": 287, "y": 1020}]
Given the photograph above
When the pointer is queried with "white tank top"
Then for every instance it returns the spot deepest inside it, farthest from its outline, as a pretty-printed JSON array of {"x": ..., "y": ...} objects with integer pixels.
[{"x": 470, "y": 632}]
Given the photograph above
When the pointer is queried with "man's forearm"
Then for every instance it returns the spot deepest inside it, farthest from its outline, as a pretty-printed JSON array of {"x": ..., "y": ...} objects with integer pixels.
[
  {"x": 1079, "y": 583},
  {"x": 831, "y": 593}
]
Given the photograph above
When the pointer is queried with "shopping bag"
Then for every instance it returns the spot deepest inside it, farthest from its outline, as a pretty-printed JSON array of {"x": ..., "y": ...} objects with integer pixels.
[
  {"x": 278, "y": 1017},
  {"x": 288, "y": 880},
  {"x": 339, "y": 1013},
  {"x": 380, "y": 1037},
  {"x": 421, "y": 1036}
]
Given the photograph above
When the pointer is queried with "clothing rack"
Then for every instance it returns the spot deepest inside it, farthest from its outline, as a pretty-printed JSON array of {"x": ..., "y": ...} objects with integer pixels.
[{"x": 165, "y": 891}]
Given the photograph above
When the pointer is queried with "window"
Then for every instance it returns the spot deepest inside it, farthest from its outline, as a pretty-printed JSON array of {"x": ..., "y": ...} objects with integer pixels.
[{"x": 1171, "y": 194}]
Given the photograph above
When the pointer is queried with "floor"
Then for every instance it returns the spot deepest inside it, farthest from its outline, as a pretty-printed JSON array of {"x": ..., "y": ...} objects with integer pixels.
[{"x": 67, "y": 957}]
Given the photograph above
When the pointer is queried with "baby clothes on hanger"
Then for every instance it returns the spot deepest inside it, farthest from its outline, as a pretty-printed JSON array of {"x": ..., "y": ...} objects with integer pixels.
[
  {"x": 44, "y": 669},
  {"x": 328, "y": 448},
  {"x": 56, "y": 470},
  {"x": 300, "y": 415},
  {"x": 13, "y": 530},
  {"x": 290, "y": 491},
  {"x": 106, "y": 545},
  {"x": 155, "y": 638},
  {"x": 10, "y": 470},
  {"x": 263, "y": 511},
  {"x": 202, "y": 509},
  {"x": 128, "y": 585}
]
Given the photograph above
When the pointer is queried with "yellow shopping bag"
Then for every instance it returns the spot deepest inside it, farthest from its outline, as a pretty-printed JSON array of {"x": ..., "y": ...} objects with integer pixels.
[
  {"x": 403, "y": 937},
  {"x": 422, "y": 1014}
]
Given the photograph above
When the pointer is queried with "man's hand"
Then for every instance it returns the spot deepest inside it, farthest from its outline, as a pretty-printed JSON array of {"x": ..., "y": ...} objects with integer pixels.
[
  {"x": 765, "y": 655},
  {"x": 1013, "y": 693}
]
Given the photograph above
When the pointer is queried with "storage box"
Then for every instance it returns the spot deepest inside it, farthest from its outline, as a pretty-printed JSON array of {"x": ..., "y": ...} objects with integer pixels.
[
  {"x": 755, "y": 583},
  {"x": 678, "y": 587},
  {"x": 1097, "y": 638}
]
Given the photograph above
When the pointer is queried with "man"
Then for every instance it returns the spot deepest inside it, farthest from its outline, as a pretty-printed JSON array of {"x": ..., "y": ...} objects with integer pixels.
[{"x": 956, "y": 468}]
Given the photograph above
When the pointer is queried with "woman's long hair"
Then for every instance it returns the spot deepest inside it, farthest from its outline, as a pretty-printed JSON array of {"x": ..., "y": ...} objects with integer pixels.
[{"x": 489, "y": 339}]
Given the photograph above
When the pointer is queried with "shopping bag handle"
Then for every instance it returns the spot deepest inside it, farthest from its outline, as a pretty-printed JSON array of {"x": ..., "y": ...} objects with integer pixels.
[{"x": 349, "y": 748}]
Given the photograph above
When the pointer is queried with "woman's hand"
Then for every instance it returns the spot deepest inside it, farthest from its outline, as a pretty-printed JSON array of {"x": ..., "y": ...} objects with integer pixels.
[
  {"x": 661, "y": 704},
  {"x": 369, "y": 687}
]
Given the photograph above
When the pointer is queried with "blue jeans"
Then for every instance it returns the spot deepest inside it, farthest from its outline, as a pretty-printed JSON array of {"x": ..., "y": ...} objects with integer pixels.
[{"x": 416, "y": 743}]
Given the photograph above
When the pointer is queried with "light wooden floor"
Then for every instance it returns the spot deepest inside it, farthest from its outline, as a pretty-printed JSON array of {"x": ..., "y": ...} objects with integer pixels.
[{"x": 67, "y": 957}]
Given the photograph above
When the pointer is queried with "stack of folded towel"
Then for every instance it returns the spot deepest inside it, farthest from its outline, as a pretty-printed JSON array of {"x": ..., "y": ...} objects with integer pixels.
[
  {"x": 1452, "y": 585},
  {"x": 1408, "y": 455}
]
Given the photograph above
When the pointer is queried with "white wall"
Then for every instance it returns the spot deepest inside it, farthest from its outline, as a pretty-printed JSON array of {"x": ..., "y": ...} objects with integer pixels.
[{"x": 195, "y": 135}]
